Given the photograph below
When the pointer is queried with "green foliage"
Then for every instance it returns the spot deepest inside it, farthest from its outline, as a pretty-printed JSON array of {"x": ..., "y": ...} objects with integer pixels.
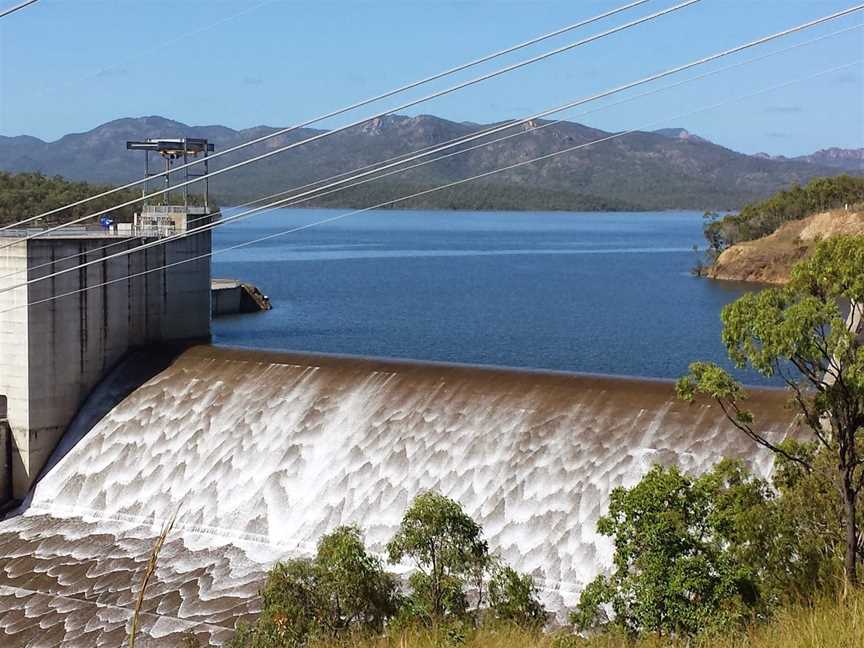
[
  {"x": 807, "y": 555},
  {"x": 513, "y": 598},
  {"x": 343, "y": 592},
  {"x": 356, "y": 590},
  {"x": 835, "y": 270},
  {"x": 591, "y": 613},
  {"x": 446, "y": 546},
  {"x": 709, "y": 379},
  {"x": 342, "y": 589},
  {"x": 761, "y": 218},
  {"x": 700, "y": 556},
  {"x": 26, "y": 194},
  {"x": 798, "y": 332},
  {"x": 23, "y": 195},
  {"x": 676, "y": 571},
  {"x": 824, "y": 623},
  {"x": 801, "y": 333}
]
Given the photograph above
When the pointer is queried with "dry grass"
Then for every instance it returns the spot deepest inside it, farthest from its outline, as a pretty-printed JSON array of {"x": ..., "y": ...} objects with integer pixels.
[
  {"x": 148, "y": 574},
  {"x": 770, "y": 259},
  {"x": 827, "y": 624}
]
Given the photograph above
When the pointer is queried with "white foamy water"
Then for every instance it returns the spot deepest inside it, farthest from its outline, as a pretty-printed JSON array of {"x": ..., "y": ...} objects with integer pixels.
[{"x": 261, "y": 454}]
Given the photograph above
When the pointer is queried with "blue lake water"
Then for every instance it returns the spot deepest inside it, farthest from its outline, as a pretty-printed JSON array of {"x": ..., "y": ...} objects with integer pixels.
[{"x": 592, "y": 292}]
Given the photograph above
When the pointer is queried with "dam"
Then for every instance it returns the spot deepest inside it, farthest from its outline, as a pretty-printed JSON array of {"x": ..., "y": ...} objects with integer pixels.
[
  {"x": 261, "y": 453},
  {"x": 63, "y": 327}
]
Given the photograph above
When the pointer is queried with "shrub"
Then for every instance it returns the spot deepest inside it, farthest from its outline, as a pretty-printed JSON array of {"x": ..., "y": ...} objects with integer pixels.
[
  {"x": 446, "y": 546},
  {"x": 341, "y": 589},
  {"x": 675, "y": 573},
  {"x": 513, "y": 598}
]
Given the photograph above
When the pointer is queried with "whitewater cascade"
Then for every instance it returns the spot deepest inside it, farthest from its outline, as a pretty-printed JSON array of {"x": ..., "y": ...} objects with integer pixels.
[{"x": 262, "y": 453}]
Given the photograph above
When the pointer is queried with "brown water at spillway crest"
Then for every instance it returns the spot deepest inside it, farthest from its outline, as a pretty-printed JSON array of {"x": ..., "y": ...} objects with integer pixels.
[{"x": 262, "y": 453}]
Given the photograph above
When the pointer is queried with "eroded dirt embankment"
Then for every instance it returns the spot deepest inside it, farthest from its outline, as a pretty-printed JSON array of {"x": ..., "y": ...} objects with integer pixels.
[{"x": 770, "y": 259}]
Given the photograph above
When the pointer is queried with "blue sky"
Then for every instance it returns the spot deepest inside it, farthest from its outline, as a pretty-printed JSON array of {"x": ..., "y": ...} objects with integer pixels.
[{"x": 70, "y": 65}]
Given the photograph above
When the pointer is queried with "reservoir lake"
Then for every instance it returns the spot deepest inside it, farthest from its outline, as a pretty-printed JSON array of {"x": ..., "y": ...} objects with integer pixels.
[{"x": 607, "y": 293}]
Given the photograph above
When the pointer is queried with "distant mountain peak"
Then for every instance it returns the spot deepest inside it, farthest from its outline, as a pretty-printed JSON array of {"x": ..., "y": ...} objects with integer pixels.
[
  {"x": 839, "y": 158},
  {"x": 836, "y": 153},
  {"x": 671, "y": 168},
  {"x": 680, "y": 133},
  {"x": 767, "y": 156}
]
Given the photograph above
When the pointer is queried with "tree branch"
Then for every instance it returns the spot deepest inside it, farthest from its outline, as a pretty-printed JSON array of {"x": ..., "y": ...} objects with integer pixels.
[
  {"x": 813, "y": 421},
  {"x": 759, "y": 439}
]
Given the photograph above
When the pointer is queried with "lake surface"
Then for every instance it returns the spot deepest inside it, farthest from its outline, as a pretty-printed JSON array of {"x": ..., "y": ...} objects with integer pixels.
[{"x": 592, "y": 292}]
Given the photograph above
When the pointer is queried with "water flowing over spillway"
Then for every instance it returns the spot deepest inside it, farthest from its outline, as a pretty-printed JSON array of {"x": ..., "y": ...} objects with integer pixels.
[{"x": 262, "y": 453}]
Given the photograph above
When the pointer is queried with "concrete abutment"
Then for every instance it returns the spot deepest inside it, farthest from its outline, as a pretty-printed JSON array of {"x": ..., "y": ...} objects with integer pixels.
[{"x": 61, "y": 336}]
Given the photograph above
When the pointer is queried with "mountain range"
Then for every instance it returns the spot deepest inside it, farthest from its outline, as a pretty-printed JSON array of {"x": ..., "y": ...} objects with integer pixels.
[
  {"x": 665, "y": 169},
  {"x": 850, "y": 160}
]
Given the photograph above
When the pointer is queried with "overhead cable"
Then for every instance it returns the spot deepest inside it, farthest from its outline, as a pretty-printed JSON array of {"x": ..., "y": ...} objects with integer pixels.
[
  {"x": 432, "y": 190},
  {"x": 20, "y": 5},
  {"x": 595, "y": 97},
  {"x": 346, "y": 109},
  {"x": 457, "y": 140}
]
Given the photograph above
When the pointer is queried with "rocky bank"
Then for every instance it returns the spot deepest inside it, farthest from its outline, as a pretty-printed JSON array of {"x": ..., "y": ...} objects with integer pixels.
[{"x": 770, "y": 259}]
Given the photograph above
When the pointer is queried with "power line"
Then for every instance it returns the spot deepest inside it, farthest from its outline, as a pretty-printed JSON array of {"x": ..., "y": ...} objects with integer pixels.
[
  {"x": 478, "y": 146},
  {"x": 601, "y": 95},
  {"x": 534, "y": 129},
  {"x": 457, "y": 140},
  {"x": 20, "y": 5},
  {"x": 432, "y": 190},
  {"x": 409, "y": 104},
  {"x": 438, "y": 94},
  {"x": 354, "y": 106}
]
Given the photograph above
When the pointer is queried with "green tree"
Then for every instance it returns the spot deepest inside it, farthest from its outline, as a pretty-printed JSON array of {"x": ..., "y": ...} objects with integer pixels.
[
  {"x": 809, "y": 550},
  {"x": 675, "y": 571},
  {"x": 802, "y": 334},
  {"x": 513, "y": 597},
  {"x": 342, "y": 588},
  {"x": 290, "y": 603},
  {"x": 445, "y": 545},
  {"x": 355, "y": 589}
]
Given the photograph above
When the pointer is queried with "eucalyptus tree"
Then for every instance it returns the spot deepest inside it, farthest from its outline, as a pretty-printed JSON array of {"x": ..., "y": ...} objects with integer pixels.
[
  {"x": 809, "y": 334},
  {"x": 446, "y": 546}
]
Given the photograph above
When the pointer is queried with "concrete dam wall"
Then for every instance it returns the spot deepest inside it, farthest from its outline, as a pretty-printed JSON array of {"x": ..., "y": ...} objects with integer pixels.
[
  {"x": 59, "y": 337},
  {"x": 262, "y": 453}
]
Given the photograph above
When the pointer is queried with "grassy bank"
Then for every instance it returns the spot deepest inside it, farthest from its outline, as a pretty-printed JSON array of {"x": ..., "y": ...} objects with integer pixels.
[{"x": 826, "y": 624}]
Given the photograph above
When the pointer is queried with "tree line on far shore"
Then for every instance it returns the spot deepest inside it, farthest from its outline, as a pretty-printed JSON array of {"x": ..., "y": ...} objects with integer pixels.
[{"x": 23, "y": 195}]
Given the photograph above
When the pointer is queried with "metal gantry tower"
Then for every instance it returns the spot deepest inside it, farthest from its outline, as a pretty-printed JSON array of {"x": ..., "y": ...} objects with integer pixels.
[{"x": 172, "y": 149}]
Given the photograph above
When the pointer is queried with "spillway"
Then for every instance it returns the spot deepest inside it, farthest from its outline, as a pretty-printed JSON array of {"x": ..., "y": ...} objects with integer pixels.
[{"x": 261, "y": 453}]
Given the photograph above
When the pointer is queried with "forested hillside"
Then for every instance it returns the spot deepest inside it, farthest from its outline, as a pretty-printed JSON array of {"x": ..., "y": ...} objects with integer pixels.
[
  {"x": 764, "y": 217},
  {"x": 667, "y": 169},
  {"x": 474, "y": 196},
  {"x": 24, "y": 195}
]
